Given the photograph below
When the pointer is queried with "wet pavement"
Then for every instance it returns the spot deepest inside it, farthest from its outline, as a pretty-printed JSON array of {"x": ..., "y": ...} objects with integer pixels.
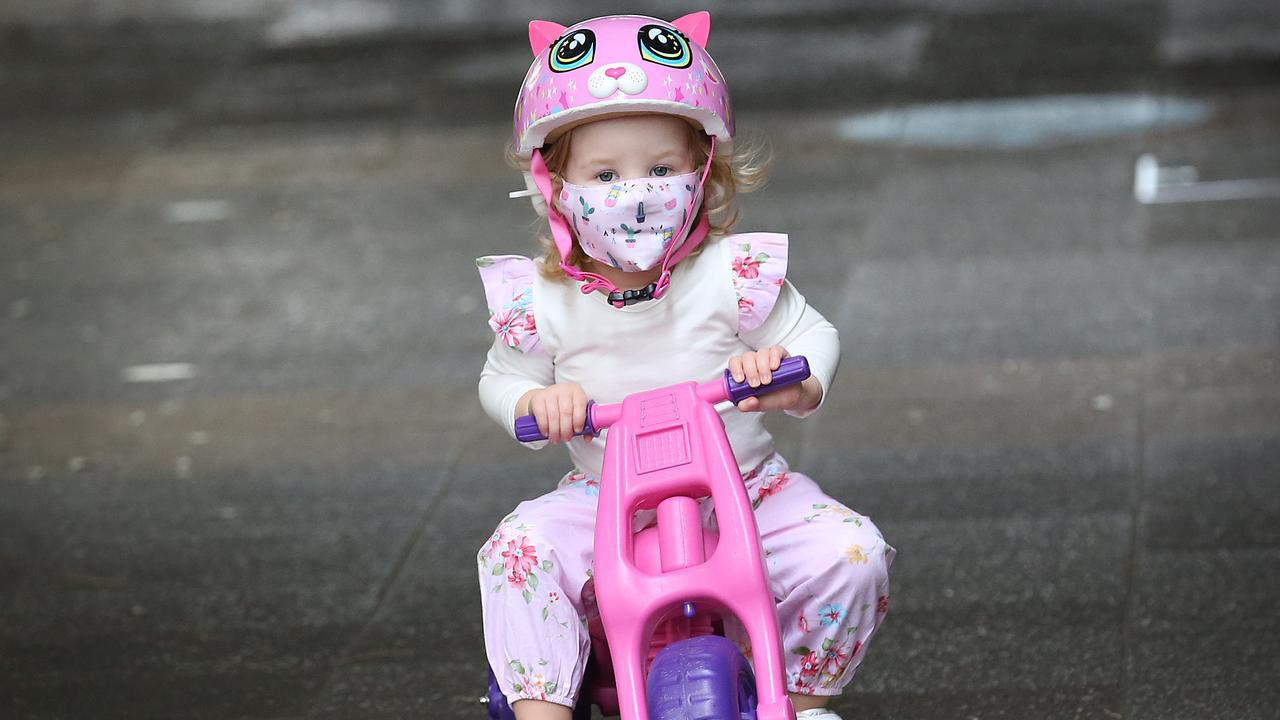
[{"x": 1062, "y": 406}]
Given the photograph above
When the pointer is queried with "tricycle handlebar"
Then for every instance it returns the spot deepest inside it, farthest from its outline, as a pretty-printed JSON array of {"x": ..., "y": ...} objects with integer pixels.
[{"x": 790, "y": 371}]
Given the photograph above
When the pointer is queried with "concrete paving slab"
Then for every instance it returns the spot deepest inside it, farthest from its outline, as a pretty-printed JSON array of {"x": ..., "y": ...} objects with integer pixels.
[
  {"x": 1206, "y": 623},
  {"x": 422, "y": 655},
  {"x": 1076, "y": 703},
  {"x": 1012, "y": 401},
  {"x": 423, "y": 651},
  {"x": 1071, "y": 199},
  {"x": 1211, "y": 294},
  {"x": 993, "y": 307},
  {"x": 1205, "y": 675},
  {"x": 996, "y": 652},
  {"x": 937, "y": 484},
  {"x": 1232, "y": 592},
  {"x": 73, "y": 67},
  {"x": 217, "y": 329},
  {"x": 961, "y": 564},
  {"x": 1213, "y": 495},
  {"x": 1212, "y": 424}
]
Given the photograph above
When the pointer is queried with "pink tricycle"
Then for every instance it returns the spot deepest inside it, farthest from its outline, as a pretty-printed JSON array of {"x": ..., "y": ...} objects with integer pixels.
[{"x": 663, "y": 591}]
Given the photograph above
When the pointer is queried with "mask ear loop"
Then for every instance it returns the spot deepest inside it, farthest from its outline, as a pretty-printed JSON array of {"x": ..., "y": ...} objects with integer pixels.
[
  {"x": 560, "y": 230},
  {"x": 676, "y": 253}
]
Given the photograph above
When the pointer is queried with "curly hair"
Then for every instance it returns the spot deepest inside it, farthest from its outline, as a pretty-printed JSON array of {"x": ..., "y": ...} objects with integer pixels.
[{"x": 743, "y": 171}]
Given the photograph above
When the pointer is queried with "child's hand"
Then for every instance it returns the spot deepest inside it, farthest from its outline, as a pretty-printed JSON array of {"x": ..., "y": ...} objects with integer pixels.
[
  {"x": 560, "y": 409},
  {"x": 757, "y": 367}
]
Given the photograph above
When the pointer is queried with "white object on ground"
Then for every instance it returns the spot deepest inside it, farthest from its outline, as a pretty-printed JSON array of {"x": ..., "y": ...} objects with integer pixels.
[
  {"x": 1154, "y": 185},
  {"x": 158, "y": 372},
  {"x": 195, "y": 211}
]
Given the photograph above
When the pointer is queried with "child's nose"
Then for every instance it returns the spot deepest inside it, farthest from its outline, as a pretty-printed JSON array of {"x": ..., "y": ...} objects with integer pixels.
[{"x": 615, "y": 73}]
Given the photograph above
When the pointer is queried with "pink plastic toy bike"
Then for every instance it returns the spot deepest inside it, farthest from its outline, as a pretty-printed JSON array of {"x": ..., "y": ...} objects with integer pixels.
[{"x": 663, "y": 591}]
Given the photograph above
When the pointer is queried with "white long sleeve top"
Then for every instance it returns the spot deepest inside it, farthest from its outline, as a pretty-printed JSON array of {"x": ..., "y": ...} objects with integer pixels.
[{"x": 730, "y": 298}]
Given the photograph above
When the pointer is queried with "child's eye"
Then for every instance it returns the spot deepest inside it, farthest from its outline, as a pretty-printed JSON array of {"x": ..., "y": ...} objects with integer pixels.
[
  {"x": 660, "y": 171},
  {"x": 607, "y": 176}
]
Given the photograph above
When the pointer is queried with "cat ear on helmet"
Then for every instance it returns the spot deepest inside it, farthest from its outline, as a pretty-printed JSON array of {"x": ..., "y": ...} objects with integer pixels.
[
  {"x": 696, "y": 25},
  {"x": 542, "y": 33}
]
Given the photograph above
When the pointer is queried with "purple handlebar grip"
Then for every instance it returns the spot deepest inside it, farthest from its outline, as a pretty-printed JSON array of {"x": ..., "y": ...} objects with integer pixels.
[
  {"x": 527, "y": 427},
  {"x": 790, "y": 371}
]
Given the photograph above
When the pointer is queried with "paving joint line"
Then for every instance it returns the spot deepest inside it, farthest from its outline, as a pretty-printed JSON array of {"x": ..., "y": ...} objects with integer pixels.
[
  {"x": 1147, "y": 358},
  {"x": 343, "y": 658}
]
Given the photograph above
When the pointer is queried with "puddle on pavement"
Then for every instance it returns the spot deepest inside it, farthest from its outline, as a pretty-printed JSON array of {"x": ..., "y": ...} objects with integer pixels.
[{"x": 1020, "y": 123}]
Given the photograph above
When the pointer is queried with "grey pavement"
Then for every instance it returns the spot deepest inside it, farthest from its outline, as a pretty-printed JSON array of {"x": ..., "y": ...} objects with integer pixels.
[{"x": 1060, "y": 405}]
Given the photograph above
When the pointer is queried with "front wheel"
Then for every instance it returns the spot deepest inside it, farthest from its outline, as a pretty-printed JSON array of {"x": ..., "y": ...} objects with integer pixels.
[
  {"x": 498, "y": 707},
  {"x": 702, "y": 678}
]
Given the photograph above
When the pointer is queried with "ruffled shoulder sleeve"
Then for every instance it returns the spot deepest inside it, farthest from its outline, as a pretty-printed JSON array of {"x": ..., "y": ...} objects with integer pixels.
[
  {"x": 508, "y": 291},
  {"x": 759, "y": 269}
]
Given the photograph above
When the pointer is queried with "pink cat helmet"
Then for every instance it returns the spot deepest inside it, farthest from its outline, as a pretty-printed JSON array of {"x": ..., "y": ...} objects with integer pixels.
[
  {"x": 620, "y": 64},
  {"x": 610, "y": 66}
]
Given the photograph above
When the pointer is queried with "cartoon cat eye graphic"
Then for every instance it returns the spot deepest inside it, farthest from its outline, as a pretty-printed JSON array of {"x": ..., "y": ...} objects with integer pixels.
[
  {"x": 573, "y": 51},
  {"x": 664, "y": 46}
]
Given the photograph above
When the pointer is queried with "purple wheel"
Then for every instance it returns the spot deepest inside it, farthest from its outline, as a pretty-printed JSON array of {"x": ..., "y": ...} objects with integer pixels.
[
  {"x": 498, "y": 707},
  {"x": 702, "y": 678}
]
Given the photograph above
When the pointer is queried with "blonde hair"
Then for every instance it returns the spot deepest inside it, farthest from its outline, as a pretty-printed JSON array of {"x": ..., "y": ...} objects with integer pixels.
[{"x": 743, "y": 171}]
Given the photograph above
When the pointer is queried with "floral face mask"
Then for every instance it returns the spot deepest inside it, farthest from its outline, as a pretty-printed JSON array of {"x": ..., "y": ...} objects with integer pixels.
[{"x": 630, "y": 224}]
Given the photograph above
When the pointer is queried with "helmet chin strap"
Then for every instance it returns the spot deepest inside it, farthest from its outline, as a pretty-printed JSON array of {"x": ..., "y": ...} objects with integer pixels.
[
  {"x": 560, "y": 228},
  {"x": 563, "y": 238},
  {"x": 677, "y": 253}
]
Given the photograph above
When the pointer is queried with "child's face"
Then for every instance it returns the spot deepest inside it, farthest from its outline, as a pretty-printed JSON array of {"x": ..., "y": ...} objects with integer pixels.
[{"x": 628, "y": 147}]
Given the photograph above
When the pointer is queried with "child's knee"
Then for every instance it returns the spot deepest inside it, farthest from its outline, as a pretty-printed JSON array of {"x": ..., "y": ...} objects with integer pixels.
[
  {"x": 511, "y": 532},
  {"x": 532, "y": 538},
  {"x": 860, "y": 561}
]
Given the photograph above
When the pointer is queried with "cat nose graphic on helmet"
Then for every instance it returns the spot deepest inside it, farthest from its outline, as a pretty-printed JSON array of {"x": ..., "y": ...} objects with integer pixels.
[{"x": 616, "y": 72}]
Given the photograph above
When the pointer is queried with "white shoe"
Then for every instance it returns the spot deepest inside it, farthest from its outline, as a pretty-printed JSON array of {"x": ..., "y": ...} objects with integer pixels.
[{"x": 817, "y": 714}]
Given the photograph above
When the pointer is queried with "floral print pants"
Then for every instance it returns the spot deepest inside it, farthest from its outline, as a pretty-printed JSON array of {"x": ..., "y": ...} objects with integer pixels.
[{"x": 828, "y": 570}]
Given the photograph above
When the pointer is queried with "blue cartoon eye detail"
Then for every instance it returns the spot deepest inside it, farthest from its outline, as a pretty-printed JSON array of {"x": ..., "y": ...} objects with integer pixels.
[
  {"x": 664, "y": 46},
  {"x": 572, "y": 51}
]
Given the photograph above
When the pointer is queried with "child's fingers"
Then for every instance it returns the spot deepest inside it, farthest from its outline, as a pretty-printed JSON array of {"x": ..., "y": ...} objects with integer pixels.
[
  {"x": 751, "y": 368},
  {"x": 735, "y": 369},
  {"x": 553, "y": 418},
  {"x": 777, "y": 354},
  {"x": 566, "y": 415},
  {"x": 764, "y": 360},
  {"x": 770, "y": 359},
  {"x": 579, "y": 410},
  {"x": 561, "y": 411},
  {"x": 756, "y": 368},
  {"x": 538, "y": 406}
]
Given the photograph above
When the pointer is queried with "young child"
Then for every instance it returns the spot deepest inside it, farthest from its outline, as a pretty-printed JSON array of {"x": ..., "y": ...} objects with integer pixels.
[{"x": 624, "y": 121}]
